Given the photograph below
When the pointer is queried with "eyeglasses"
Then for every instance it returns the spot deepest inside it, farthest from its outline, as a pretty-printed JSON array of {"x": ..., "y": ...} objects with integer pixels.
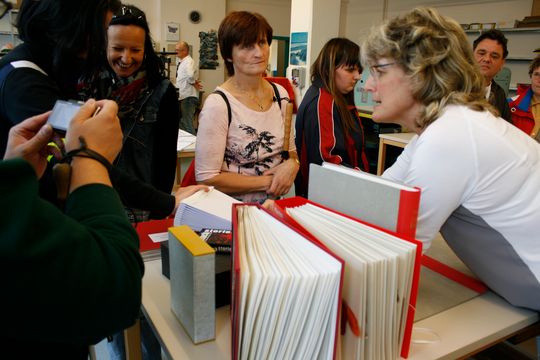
[
  {"x": 374, "y": 70},
  {"x": 5, "y": 6},
  {"x": 128, "y": 11}
]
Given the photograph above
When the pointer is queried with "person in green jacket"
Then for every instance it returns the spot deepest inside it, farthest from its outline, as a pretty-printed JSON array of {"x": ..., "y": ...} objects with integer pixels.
[{"x": 69, "y": 279}]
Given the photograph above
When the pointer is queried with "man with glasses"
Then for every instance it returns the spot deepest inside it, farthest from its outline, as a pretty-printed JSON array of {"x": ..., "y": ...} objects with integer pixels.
[{"x": 490, "y": 51}]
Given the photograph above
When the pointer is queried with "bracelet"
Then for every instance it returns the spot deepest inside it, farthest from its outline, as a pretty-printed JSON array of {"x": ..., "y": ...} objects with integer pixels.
[
  {"x": 286, "y": 156},
  {"x": 85, "y": 152}
]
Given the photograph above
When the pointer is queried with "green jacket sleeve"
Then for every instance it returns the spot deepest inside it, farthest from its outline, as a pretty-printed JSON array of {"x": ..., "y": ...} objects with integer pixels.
[{"x": 73, "y": 277}]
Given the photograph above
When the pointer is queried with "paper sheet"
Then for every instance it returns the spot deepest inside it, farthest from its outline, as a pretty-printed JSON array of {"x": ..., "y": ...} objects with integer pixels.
[{"x": 186, "y": 141}]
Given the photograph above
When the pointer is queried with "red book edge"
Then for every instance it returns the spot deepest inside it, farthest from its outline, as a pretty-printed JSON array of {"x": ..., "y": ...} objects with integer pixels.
[
  {"x": 235, "y": 291},
  {"x": 146, "y": 228},
  {"x": 455, "y": 275},
  {"x": 281, "y": 205},
  {"x": 409, "y": 203},
  {"x": 293, "y": 225}
]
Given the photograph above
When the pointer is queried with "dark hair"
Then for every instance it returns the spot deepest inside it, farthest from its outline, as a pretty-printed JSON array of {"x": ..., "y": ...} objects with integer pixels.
[
  {"x": 535, "y": 63},
  {"x": 493, "y": 34},
  {"x": 132, "y": 15},
  {"x": 335, "y": 53},
  {"x": 66, "y": 28},
  {"x": 241, "y": 28}
]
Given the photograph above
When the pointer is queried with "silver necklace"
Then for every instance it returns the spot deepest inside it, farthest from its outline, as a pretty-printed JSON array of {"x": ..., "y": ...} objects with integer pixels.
[{"x": 254, "y": 98}]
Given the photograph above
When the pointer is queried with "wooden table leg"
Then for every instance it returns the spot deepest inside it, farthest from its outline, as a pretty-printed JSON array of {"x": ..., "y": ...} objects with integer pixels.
[
  {"x": 184, "y": 154},
  {"x": 132, "y": 340},
  {"x": 178, "y": 171},
  {"x": 382, "y": 157}
]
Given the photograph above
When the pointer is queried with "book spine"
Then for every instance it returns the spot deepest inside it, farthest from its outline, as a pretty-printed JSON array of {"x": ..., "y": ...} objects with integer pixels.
[
  {"x": 409, "y": 202},
  {"x": 225, "y": 249}
]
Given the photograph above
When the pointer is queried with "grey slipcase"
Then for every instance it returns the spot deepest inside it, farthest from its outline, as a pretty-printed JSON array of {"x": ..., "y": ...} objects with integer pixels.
[{"x": 192, "y": 290}]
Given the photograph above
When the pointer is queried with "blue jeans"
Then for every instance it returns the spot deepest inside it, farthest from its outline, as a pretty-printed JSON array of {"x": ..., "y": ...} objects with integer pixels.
[{"x": 187, "y": 109}]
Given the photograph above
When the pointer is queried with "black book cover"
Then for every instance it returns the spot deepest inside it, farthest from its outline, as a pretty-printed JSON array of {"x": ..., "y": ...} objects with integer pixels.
[{"x": 220, "y": 240}]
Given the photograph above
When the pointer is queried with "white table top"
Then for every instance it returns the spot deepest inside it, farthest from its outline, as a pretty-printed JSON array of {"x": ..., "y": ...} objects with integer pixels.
[
  {"x": 465, "y": 328},
  {"x": 185, "y": 141},
  {"x": 398, "y": 137},
  {"x": 365, "y": 109},
  {"x": 460, "y": 330},
  {"x": 156, "y": 306}
]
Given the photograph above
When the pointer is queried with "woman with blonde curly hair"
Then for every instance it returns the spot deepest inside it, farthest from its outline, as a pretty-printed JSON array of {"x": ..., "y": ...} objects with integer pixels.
[{"x": 478, "y": 173}]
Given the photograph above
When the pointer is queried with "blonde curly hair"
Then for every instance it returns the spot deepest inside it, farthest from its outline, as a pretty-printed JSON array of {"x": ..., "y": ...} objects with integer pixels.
[{"x": 435, "y": 54}]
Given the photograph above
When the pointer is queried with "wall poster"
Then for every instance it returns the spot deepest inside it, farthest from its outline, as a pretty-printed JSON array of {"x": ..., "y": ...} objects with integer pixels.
[
  {"x": 172, "y": 31},
  {"x": 298, "y": 48}
]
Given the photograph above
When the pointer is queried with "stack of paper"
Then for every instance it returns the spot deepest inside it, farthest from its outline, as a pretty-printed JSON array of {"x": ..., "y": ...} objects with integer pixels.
[
  {"x": 286, "y": 291},
  {"x": 185, "y": 141},
  {"x": 378, "y": 280},
  {"x": 210, "y": 210}
]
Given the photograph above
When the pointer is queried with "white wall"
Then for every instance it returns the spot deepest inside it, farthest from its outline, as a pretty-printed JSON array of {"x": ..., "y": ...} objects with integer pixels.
[
  {"x": 502, "y": 12},
  {"x": 159, "y": 12},
  {"x": 151, "y": 9},
  {"x": 276, "y": 12},
  {"x": 358, "y": 16}
]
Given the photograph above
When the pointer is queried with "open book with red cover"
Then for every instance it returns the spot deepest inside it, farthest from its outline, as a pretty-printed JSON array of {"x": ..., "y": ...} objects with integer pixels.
[
  {"x": 286, "y": 289},
  {"x": 378, "y": 318},
  {"x": 381, "y": 202}
]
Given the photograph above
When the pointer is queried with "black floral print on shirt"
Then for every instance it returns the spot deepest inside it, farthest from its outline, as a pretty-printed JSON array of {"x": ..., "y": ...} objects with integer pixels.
[{"x": 248, "y": 157}]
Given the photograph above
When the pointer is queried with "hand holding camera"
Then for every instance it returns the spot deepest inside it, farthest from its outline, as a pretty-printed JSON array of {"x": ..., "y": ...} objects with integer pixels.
[
  {"x": 99, "y": 128},
  {"x": 101, "y": 132}
]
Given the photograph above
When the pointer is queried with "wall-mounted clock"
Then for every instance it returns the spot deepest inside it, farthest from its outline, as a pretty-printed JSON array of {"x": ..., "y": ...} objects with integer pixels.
[{"x": 195, "y": 16}]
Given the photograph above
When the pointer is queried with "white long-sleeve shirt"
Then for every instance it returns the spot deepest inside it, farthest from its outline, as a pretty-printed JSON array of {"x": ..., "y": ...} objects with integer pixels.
[
  {"x": 480, "y": 181},
  {"x": 186, "y": 74}
]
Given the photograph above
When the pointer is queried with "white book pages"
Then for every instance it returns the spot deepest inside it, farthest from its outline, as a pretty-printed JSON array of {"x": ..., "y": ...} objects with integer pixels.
[
  {"x": 206, "y": 209},
  {"x": 291, "y": 306},
  {"x": 378, "y": 277},
  {"x": 246, "y": 275}
]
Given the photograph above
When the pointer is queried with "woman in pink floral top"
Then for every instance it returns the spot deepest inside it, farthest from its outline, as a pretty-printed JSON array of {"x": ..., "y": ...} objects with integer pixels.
[{"x": 244, "y": 158}]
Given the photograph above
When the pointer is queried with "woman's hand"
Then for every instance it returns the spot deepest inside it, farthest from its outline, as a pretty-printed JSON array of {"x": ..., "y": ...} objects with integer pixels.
[
  {"x": 283, "y": 177},
  {"x": 269, "y": 205},
  {"x": 184, "y": 192}
]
